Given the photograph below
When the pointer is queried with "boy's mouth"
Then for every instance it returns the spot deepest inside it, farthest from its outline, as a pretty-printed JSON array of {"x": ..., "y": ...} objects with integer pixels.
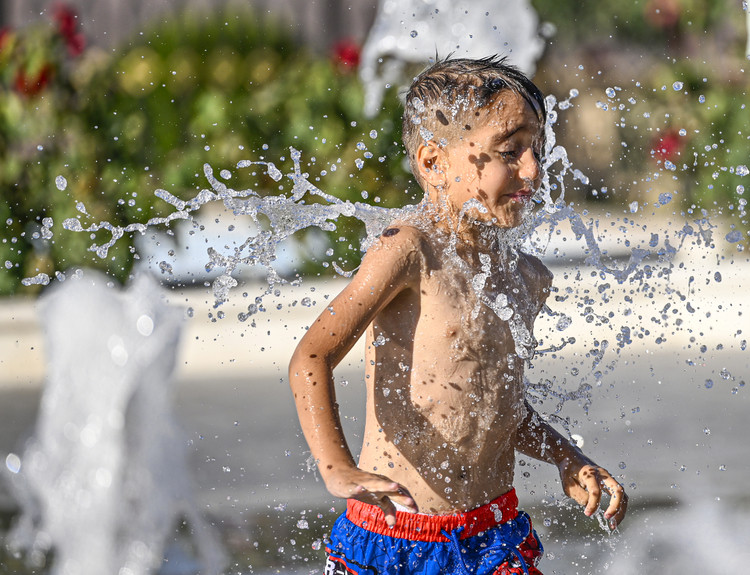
[{"x": 521, "y": 195}]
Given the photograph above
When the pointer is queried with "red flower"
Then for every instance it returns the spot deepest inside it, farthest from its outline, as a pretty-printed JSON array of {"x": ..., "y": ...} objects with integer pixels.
[
  {"x": 31, "y": 86},
  {"x": 75, "y": 43},
  {"x": 346, "y": 54},
  {"x": 4, "y": 34},
  {"x": 67, "y": 26},
  {"x": 668, "y": 147},
  {"x": 66, "y": 18}
]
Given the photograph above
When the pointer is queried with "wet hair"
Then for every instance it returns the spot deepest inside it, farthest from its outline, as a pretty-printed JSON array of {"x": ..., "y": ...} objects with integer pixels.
[{"x": 445, "y": 98}]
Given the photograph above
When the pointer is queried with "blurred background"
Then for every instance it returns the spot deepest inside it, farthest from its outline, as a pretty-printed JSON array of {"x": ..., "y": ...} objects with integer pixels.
[{"x": 102, "y": 103}]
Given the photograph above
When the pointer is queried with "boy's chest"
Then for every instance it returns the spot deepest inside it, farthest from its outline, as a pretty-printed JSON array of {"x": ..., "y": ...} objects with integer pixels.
[{"x": 487, "y": 313}]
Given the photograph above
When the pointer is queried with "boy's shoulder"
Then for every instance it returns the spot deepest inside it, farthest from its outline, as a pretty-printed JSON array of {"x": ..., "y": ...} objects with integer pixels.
[
  {"x": 403, "y": 236},
  {"x": 535, "y": 264},
  {"x": 399, "y": 250},
  {"x": 536, "y": 274}
]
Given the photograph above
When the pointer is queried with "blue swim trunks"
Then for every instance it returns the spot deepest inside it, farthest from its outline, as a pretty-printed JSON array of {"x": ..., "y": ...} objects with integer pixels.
[{"x": 494, "y": 539}]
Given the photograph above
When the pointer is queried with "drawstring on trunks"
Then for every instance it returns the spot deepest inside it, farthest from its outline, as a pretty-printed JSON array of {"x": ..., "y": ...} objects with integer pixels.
[{"x": 501, "y": 546}]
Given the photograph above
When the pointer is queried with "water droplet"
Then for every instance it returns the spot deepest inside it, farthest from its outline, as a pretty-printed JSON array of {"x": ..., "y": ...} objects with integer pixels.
[
  {"x": 722, "y": 467},
  {"x": 709, "y": 383},
  {"x": 610, "y": 92},
  {"x": 707, "y": 431},
  {"x": 683, "y": 132},
  {"x": 38, "y": 279},
  {"x": 413, "y": 33},
  {"x": 316, "y": 544},
  {"x": 61, "y": 183},
  {"x": 669, "y": 165},
  {"x": 677, "y": 86},
  {"x": 633, "y": 207},
  {"x": 273, "y": 172},
  {"x": 373, "y": 134},
  {"x": 306, "y": 301},
  {"x": 741, "y": 170},
  {"x": 145, "y": 325},
  {"x": 302, "y": 524},
  {"x": 622, "y": 465},
  {"x": 13, "y": 463},
  {"x": 717, "y": 277},
  {"x": 701, "y": 99},
  {"x": 359, "y": 163},
  {"x": 226, "y": 174}
]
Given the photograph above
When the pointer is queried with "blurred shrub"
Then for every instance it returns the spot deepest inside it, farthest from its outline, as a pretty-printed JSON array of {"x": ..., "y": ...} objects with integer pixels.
[
  {"x": 196, "y": 89},
  {"x": 669, "y": 77}
]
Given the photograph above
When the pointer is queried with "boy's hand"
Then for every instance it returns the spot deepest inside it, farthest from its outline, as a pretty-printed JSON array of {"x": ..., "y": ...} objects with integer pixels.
[
  {"x": 585, "y": 484},
  {"x": 353, "y": 483}
]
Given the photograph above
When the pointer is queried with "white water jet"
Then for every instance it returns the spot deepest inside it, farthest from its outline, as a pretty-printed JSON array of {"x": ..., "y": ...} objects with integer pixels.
[
  {"x": 104, "y": 481},
  {"x": 414, "y": 31}
]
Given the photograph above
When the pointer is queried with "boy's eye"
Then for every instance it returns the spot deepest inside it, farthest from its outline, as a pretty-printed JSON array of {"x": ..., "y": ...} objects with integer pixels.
[{"x": 508, "y": 155}]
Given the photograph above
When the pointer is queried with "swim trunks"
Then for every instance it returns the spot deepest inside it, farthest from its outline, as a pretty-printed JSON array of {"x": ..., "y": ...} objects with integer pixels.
[{"x": 494, "y": 539}]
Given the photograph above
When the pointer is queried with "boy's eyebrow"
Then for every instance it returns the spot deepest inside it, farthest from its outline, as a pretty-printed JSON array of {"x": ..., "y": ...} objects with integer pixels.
[{"x": 500, "y": 137}]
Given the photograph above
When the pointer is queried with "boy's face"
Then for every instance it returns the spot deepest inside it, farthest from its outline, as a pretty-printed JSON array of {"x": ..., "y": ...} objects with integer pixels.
[{"x": 496, "y": 161}]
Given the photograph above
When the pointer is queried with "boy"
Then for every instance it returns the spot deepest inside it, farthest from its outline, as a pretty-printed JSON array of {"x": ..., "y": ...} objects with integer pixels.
[{"x": 448, "y": 304}]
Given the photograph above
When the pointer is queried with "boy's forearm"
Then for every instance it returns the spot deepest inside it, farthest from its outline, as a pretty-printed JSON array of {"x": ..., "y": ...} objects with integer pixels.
[
  {"x": 538, "y": 439},
  {"x": 314, "y": 396}
]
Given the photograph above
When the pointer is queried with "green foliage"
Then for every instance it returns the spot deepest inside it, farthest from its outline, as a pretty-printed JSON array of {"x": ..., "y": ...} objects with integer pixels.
[
  {"x": 642, "y": 21},
  {"x": 194, "y": 90}
]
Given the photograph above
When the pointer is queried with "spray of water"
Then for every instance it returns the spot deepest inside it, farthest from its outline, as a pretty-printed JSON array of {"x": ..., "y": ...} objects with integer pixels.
[
  {"x": 304, "y": 205},
  {"x": 104, "y": 481}
]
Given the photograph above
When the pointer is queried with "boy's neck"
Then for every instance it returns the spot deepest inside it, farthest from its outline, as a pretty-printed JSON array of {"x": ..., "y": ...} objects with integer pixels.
[{"x": 468, "y": 235}]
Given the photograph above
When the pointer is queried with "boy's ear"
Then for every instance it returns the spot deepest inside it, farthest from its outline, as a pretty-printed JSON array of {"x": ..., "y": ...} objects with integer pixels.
[{"x": 431, "y": 163}]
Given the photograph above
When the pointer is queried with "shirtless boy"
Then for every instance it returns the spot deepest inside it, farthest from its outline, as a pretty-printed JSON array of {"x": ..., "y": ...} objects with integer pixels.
[{"x": 448, "y": 305}]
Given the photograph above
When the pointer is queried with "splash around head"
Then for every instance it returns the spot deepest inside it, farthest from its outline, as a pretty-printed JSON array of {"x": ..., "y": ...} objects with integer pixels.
[{"x": 474, "y": 134}]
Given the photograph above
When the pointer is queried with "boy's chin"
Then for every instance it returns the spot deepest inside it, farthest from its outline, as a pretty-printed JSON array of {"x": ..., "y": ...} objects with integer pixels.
[{"x": 507, "y": 220}]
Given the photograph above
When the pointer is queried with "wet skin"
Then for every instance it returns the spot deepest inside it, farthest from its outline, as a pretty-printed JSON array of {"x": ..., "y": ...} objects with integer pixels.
[{"x": 445, "y": 402}]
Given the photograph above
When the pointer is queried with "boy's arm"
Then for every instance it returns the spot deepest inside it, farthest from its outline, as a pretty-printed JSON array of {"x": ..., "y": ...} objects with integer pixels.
[
  {"x": 582, "y": 479},
  {"x": 390, "y": 266}
]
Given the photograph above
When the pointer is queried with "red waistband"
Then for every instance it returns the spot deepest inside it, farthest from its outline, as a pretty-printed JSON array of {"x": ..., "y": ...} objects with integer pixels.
[{"x": 423, "y": 527}]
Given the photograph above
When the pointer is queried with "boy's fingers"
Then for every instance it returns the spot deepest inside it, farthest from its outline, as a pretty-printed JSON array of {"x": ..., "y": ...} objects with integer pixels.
[
  {"x": 618, "y": 504},
  {"x": 588, "y": 479},
  {"x": 595, "y": 496},
  {"x": 389, "y": 510}
]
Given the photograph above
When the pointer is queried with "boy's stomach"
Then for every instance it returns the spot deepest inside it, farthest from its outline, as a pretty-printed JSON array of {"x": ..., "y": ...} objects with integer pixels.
[{"x": 452, "y": 446}]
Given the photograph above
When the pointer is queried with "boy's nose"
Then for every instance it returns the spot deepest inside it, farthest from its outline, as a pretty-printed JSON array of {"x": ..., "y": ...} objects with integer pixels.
[{"x": 529, "y": 168}]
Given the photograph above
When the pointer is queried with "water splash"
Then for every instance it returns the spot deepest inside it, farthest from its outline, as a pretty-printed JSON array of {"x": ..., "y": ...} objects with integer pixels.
[
  {"x": 104, "y": 480},
  {"x": 302, "y": 204}
]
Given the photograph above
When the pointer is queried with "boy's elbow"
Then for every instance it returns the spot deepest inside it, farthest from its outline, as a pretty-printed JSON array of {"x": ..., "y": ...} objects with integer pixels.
[{"x": 303, "y": 363}]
